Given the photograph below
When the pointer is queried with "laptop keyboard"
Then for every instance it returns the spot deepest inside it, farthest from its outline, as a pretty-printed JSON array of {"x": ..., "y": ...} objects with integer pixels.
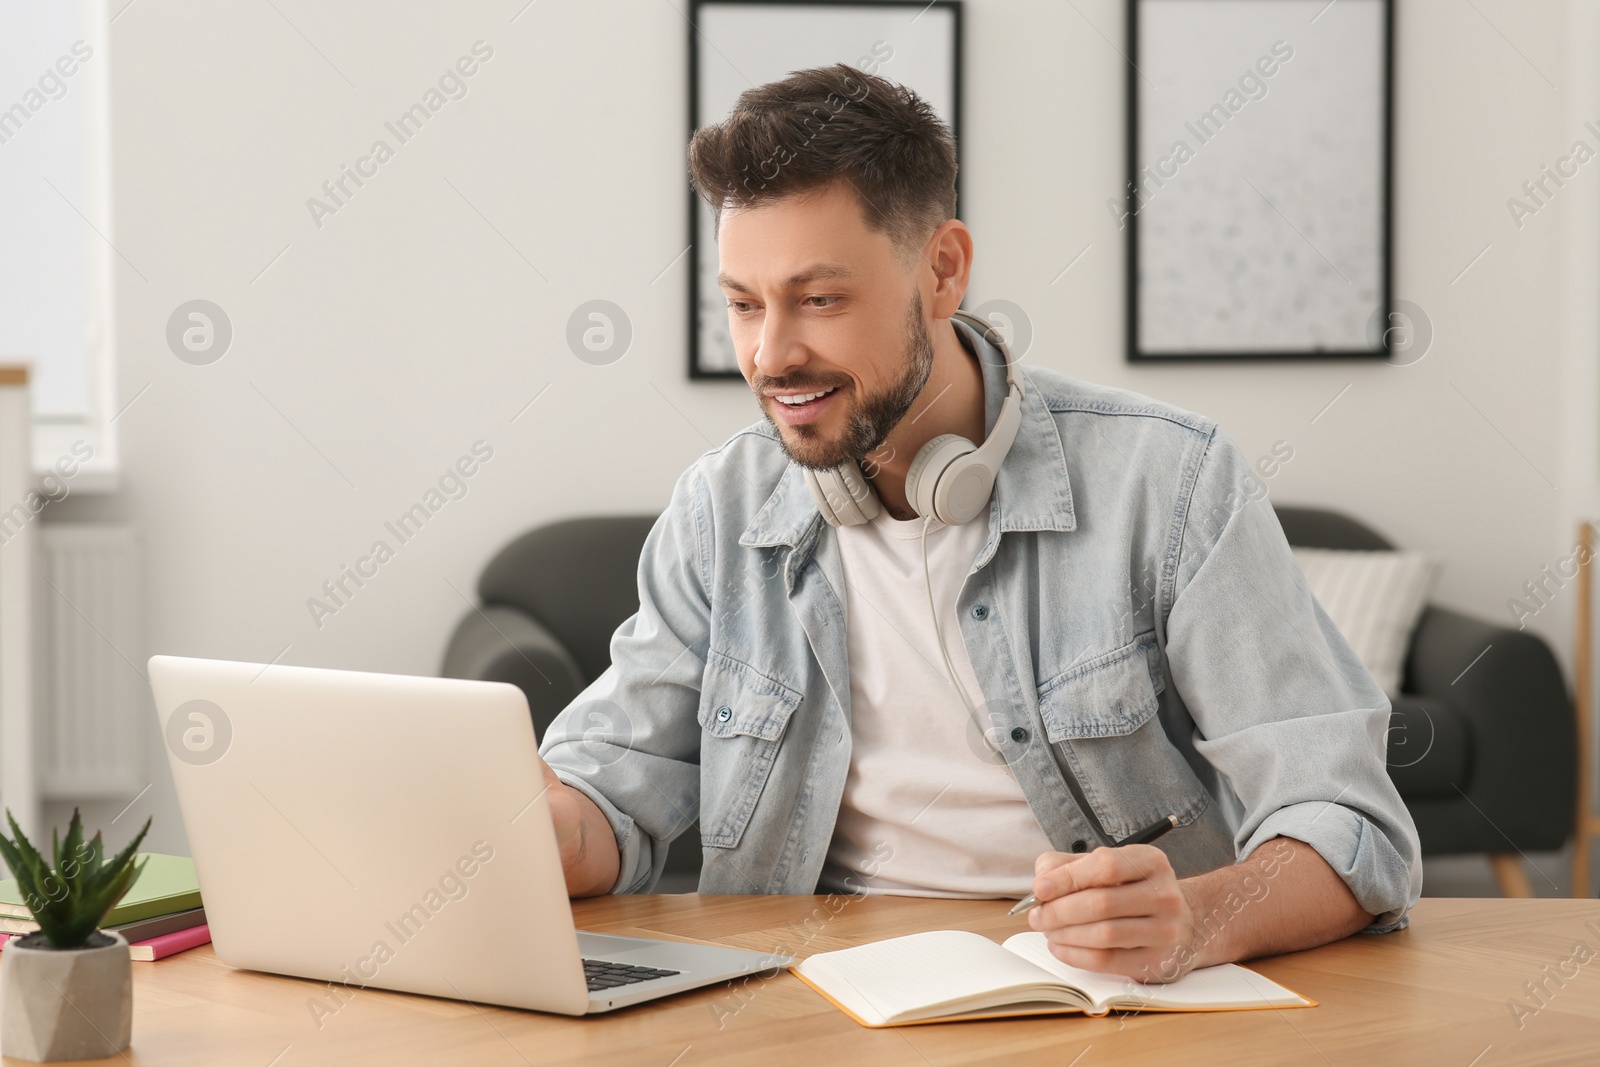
[{"x": 602, "y": 975}]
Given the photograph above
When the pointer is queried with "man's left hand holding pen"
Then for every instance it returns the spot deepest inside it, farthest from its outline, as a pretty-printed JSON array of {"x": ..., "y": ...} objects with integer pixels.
[
  {"x": 1122, "y": 909},
  {"x": 1118, "y": 909}
]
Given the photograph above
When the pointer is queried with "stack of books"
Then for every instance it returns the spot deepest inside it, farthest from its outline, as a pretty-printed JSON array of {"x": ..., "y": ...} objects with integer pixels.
[{"x": 160, "y": 914}]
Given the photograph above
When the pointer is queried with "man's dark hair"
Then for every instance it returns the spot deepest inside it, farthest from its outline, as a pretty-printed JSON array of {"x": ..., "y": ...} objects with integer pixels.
[{"x": 827, "y": 124}]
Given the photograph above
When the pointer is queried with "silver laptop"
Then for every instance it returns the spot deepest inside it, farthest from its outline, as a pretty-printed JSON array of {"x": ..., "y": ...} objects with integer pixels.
[{"x": 392, "y": 831}]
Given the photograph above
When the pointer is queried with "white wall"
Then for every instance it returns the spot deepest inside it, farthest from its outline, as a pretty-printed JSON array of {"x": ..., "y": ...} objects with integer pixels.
[{"x": 406, "y": 328}]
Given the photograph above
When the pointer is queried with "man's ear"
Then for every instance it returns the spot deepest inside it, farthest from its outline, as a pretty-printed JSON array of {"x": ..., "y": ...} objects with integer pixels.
[{"x": 947, "y": 257}]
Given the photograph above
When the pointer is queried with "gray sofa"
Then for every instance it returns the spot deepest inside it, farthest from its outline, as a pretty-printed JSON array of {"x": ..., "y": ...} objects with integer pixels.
[
  {"x": 1486, "y": 765},
  {"x": 1500, "y": 769}
]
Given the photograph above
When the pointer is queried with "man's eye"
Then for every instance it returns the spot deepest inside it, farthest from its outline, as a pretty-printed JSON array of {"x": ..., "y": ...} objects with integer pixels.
[
  {"x": 739, "y": 306},
  {"x": 822, "y": 301}
]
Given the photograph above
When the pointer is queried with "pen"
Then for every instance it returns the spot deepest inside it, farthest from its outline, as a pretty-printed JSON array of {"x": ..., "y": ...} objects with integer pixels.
[{"x": 1143, "y": 837}]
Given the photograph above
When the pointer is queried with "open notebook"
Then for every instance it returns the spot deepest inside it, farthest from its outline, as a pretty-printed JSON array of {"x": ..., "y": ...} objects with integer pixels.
[{"x": 945, "y": 975}]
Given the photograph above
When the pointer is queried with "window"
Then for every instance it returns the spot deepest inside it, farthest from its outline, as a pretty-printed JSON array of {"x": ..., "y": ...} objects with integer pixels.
[{"x": 56, "y": 255}]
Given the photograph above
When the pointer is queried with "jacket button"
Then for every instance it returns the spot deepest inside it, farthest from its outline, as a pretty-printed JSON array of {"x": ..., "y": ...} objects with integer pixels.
[
  {"x": 980, "y": 612},
  {"x": 1019, "y": 734},
  {"x": 724, "y": 714},
  {"x": 1080, "y": 846}
]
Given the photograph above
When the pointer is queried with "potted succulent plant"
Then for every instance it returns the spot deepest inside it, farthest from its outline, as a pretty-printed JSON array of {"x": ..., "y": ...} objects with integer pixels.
[{"x": 66, "y": 990}]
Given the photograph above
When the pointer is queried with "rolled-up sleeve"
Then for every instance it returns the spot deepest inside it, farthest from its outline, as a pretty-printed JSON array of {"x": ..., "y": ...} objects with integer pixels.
[
  {"x": 631, "y": 741},
  {"x": 1283, "y": 709}
]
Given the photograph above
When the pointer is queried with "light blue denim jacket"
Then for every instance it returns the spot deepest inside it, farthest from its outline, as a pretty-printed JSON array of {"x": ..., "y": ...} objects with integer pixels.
[{"x": 1145, "y": 642}]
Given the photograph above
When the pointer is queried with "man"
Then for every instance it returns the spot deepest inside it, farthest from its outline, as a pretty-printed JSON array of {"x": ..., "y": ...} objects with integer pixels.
[{"x": 1124, "y": 617}]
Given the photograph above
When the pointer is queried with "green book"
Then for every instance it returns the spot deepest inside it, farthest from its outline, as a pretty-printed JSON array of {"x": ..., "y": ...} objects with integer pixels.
[{"x": 167, "y": 884}]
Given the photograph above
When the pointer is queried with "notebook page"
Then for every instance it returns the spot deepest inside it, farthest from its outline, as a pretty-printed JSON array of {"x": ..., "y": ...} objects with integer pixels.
[
  {"x": 1224, "y": 985},
  {"x": 916, "y": 971}
]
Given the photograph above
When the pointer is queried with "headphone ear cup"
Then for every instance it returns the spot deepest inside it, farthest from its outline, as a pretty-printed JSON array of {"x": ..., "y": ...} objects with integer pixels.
[
  {"x": 820, "y": 496},
  {"x": 929, "y": 469},
  {"x": 859, "y": 492},
  {"x": 843, "y": 495},
  {"x": 963, "y": 491}
]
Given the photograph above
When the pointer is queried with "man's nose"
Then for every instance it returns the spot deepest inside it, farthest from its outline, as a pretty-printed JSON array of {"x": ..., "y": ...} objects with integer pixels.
[{"x": 779, "y": 349}]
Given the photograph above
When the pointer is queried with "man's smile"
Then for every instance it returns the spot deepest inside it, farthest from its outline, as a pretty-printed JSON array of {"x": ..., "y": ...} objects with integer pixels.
[{"x": 799, "y": 409}]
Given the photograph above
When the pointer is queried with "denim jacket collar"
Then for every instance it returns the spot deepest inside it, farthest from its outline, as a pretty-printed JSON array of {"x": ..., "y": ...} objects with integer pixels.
[{"x": 1032, "y": 490}]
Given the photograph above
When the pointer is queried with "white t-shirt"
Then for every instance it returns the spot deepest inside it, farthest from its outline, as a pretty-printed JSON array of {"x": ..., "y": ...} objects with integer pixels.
[{"x": 929, "y": 808}]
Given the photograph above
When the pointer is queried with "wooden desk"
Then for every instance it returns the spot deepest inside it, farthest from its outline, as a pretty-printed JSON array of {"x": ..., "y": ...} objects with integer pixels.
[{"x": 1434, "y": 993}]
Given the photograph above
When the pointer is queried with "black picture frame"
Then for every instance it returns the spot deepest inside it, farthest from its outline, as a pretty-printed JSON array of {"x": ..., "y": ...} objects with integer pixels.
[
  {"x": 1381, "y": 342},
  {"x": 916, "y": 9}
]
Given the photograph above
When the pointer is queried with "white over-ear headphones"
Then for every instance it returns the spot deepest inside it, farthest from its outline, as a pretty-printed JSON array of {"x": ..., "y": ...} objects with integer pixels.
[{"x": 950, "y": 478}]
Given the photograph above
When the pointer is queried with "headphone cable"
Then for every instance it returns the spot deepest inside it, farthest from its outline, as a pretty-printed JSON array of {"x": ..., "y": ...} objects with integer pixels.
[{"x": 938, "y": 635}]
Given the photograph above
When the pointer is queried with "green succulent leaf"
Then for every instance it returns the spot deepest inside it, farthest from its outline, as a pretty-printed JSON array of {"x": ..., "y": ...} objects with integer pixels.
[
  {"x": 25, "y": 880},
  {"x": 95, "y": 871},
  {"x": 26, "y": 863},
  {"x": 72, "y": 896},
  {"x": 123, "y": 858},
  {"x": 69, "y": 854},
  {"x": 30, "y": 855}
]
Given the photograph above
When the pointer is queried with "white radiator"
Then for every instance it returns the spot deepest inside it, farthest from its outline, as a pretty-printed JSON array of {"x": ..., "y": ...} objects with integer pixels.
[
  {"x": 19, "y": 794},
  {"x": 91, "y": 698}
]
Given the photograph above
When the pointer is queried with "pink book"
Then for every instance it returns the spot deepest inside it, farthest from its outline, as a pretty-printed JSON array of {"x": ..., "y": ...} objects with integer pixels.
[{"x": 159, "y": 947}]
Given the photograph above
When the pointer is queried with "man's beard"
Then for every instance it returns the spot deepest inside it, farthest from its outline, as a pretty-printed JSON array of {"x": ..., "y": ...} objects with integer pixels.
[{"x": 870, "y": 421}]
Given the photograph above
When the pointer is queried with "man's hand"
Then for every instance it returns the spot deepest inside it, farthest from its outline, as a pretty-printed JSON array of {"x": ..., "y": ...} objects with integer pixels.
[
  {"x": 589, "y": 856},
  {"x": 1114, "y": 910},
  {"x": 568, "y": 818},
  {"x": 1124, "y": 911}
]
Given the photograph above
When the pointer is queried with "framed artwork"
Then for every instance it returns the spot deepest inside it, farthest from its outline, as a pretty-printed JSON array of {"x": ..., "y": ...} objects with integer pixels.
[
  {"x": 736, "y": 45},
  {"x": 1257, "y": 210}
]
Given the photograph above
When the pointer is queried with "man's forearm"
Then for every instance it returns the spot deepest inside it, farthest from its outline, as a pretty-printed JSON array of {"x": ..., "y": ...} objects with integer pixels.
[
  {"x": 594, "y": 870},
  {"x": 1283, "y": 898}
]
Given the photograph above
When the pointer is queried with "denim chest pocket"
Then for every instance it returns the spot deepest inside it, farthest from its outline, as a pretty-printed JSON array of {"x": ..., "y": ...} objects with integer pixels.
[
  {"x": 743, "y": 714},
  {"x": 1101, "y": 716}
]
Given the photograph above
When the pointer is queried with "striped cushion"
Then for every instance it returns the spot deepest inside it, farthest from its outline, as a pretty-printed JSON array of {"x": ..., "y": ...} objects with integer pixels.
[{"x": 1375, "y": 599}]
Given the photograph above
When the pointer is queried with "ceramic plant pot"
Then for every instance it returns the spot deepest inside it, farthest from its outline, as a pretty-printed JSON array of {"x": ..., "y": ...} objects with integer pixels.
[{"x": 65, "y": 1003}]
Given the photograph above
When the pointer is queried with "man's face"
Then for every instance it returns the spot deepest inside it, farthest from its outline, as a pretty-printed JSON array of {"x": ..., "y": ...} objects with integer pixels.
[{"x": 818, "y": 302}]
